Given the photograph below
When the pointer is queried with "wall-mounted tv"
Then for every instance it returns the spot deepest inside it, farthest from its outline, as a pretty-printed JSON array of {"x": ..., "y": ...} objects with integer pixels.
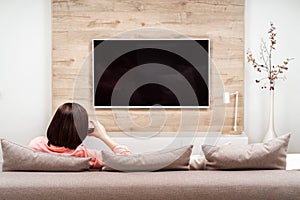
[{"x": 144, "y": 73}]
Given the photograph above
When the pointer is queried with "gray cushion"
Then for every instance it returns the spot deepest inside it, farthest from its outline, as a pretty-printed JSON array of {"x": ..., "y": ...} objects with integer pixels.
[
  {"x": 19, "y": 158},
  {"x": 168, "y": 159},
  {"x": 269, "y": 155}
]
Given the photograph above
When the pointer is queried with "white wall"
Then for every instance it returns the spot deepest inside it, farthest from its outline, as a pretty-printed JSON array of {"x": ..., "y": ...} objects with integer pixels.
[
  {"x": 285, "y": 15},
  {"x": 25, "y": 69}
]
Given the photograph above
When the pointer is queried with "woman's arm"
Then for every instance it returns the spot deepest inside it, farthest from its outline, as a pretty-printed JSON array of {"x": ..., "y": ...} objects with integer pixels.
[{"x": 100, "y": 133}]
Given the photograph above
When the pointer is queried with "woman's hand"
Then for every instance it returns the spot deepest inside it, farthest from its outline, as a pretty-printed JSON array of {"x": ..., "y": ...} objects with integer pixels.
[
  {"x": 100, "y": 133},
  {"x": 99, "y": 130}
]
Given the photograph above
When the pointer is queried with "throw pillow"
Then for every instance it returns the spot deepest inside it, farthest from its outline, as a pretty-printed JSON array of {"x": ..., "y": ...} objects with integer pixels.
[
  {"x": 269, "y": 155},
  {"x": 169, "y": 159},
  {"x": 20, "y": 158}
]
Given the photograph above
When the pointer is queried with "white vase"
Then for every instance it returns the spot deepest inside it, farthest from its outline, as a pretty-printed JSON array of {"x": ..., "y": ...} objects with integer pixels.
[{"x": 271, "y": 134}]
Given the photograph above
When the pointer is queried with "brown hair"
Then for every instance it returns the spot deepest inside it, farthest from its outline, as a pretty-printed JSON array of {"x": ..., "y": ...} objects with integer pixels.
[{"x": 69, "y": 126}]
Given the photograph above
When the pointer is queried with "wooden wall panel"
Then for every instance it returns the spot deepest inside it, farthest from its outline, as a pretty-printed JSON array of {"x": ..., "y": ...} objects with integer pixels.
[{"x": 76, "y": 22}]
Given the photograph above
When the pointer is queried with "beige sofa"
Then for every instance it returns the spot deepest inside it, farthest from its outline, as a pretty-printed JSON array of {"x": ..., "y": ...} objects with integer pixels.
[{"x": 183, "y": 185}]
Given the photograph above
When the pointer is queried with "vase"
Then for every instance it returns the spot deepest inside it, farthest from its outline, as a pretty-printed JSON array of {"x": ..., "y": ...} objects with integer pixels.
[{"x": 271, "y": 134}]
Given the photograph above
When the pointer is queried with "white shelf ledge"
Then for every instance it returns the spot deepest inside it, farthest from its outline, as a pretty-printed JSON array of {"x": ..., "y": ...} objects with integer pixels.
[{"x": 150, "y": 144}]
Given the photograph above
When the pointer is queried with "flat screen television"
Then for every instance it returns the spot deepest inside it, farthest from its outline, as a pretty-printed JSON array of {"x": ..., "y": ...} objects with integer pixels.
[{"x": 144, "y": 73}]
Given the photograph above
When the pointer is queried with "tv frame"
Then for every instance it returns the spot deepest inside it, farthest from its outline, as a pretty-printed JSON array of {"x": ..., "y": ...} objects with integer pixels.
[{"x": 147, "y": 107}]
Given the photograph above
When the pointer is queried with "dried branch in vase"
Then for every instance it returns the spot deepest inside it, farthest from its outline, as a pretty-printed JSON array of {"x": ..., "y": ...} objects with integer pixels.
[{"x": 273, "y": 72}]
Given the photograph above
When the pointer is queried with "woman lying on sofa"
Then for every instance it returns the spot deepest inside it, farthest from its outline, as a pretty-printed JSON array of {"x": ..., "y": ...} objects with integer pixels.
[{"x": 67, "y": 130}]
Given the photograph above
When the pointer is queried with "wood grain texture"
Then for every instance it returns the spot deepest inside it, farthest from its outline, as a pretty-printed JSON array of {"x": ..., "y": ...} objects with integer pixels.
[{"x": 76, "y": 22}]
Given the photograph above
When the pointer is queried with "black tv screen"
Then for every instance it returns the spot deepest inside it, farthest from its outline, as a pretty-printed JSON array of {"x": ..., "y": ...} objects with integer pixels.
[{"x": 142, "y": 73}]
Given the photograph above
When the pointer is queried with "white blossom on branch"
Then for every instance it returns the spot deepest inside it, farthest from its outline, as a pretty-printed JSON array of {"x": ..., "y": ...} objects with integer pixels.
[{"x": 272, "y": 72}]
